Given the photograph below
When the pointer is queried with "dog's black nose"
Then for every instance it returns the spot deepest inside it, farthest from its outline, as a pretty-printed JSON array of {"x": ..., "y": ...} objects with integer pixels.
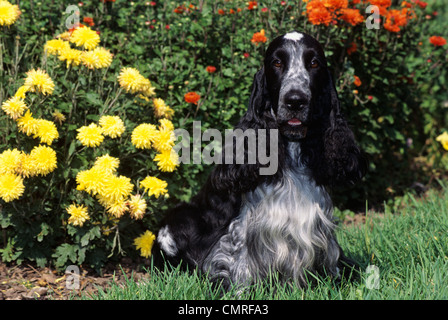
[{"x": 295, "y": 101}]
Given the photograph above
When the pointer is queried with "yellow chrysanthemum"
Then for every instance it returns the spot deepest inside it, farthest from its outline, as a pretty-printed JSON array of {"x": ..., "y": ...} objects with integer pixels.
[
  {"x": 27, "y": 124},
  {"x": 104, "y": 57},
  {"x": 164, "y": 140},
  {"x": 78, "y": 215},
  {"x": 137, "y": 206},
  {"x": 154, "y": 186},
  {"x": 55, "y": 46},
  {"x": 144, "y": 135},
  {"x": 89, "y": 59},
  {"x": 10, "y": 161},
  {"x": 147, "y": 89},
  {"x": 90, "y": 136},
  {"x": 112, "y": 126},
  {"x": 58, "y": 116},
  {"x": 9, "y": 13},
  {"x": 166, "y": 124},
  {"x": 97, "y": 58},
  {"x": 27, "y": 166},
  {"x": 11, "y": 187},
  {"x": 21, "y": 92},
  {"x": 144, "y": 243},
  {"x": 71, "y": 56},
  {"x": 161, "y": 110},
  {"x": 117, "y": 208},
  {"x": 14, "y": 107},
  {"x": 132, "y": 81},
  {"x": 44, "y": 158},
  {"x": 39, "y": 81},
  {"x": 93, "y": 180},
  {"x": 64, "y": 36},
  {"x": 107, "y": 163},
  {"x": 46, "y": 131},
  {"x": 443, "y": 139},
  {"x": 117, "y": 189},
  {"x": 85, "y": 37},
  {"x": 167, "y": 160}
]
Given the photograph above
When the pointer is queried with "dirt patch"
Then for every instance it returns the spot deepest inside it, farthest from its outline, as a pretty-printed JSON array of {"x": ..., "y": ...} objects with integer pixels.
[{"x": 27, "y": 282}]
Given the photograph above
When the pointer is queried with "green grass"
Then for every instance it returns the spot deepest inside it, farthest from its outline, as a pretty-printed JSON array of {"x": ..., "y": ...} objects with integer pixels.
[{"x": 409, "y": 247}]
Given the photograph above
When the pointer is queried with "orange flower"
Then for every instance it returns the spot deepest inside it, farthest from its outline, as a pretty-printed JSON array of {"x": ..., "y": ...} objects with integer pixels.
[
  {"x": 352, "y": 49},
  {"x": 357, "y": 82},
  {"x": 382, "y": 5},
  {"x": 252, "y": 5},
  {"x": 437, "y": 41},
  {"x": 180, "y": 9},
  {"x": 221, "y": 12},
  {"x": 89, "y": 21},
  {"x": 334, "y": 5},
  {"x": 259, "y": 37},
  {"x": 421, "y": 4},
  {"x": 211, "y": 69},
  {"x": 318, "y": 13},
  {"x": 396, "y": 19},
  {"x": 352, "y": 16},
  {"x": 192, "y": 97}
]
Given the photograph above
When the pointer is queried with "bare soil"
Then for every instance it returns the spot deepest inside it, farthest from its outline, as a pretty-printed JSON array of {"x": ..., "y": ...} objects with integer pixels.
[{"x": 28, "y": 282}]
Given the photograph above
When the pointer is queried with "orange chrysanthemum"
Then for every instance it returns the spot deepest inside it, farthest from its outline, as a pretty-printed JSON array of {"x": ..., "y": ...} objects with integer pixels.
[
  {"x": 352, "y": 16},
  {"x": 437, "y": 41},
  {"x": 396, "y": 19},
  {"x": 352, "y": 49},
  {"x": 252, "y": 5},
  {"x": 334, "y": 5},
  {"x": 259, "y": 37},
  {"x": 357, "y": 82},
  {"x": 192, "y": 97},
  {"x": 382, "y": 5},
  {"x": 318, "y": 13}
]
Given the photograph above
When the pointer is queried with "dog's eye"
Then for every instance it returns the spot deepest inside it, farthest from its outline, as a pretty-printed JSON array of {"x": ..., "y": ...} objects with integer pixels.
[
  {"x": 277, "y": 63},
  {"x": 314, "y": 63}
]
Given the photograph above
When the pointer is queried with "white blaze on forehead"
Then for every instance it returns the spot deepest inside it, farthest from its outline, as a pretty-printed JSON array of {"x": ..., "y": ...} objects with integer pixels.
[{"x": 295, "y": 36}]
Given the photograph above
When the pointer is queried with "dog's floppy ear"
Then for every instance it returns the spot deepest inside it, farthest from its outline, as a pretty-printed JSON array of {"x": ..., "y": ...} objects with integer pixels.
[
  {"x": 345, "y": 162},
  {"x": 258, "y": 103},
  {"x": 237, "y": 177}
]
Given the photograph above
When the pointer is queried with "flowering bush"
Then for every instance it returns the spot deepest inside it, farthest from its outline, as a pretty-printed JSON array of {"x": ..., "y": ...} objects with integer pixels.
[{"x": 88, "y": 113}]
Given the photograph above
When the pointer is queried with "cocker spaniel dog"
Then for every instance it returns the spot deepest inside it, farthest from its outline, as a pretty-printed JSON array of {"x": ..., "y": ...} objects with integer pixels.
[{"x": 243, "y": 225}]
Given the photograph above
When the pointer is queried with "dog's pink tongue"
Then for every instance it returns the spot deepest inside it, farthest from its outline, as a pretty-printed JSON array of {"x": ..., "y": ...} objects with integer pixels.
[{"x": 294, "y": 122}]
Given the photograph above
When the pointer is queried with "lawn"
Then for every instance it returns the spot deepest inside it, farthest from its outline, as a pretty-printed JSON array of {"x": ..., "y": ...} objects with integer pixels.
[{"x": 408, "y": 249}]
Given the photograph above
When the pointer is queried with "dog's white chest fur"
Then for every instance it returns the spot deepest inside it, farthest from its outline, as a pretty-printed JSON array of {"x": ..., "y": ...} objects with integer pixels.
[{"x": 284, "y": 227}]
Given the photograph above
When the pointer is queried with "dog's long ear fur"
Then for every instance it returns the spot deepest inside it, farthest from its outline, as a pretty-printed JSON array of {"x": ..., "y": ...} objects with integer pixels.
[
  {"x": 245, "y": 177},
  {"x": 345, "y": 162}
]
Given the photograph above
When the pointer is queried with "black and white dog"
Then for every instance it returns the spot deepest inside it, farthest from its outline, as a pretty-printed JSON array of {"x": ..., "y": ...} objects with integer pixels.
[{"x": 243, "y": 225}]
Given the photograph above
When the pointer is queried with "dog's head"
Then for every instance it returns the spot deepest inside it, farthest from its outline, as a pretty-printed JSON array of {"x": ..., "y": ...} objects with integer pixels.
[{"x": 298, "y": 82}]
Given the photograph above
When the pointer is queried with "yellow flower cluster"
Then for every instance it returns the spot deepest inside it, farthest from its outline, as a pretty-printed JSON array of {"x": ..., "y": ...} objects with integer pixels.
[
  {"x": 146, "y": 135},
  {"x": 112, "y": 191},
  {"x": 132, "y": 81},
  {"x": 40, "y": 82},
  {"x": 93, "y": 134},
  {"x": 8, "y": 13},
  {"x": 115, "y": 192},
  {"x": 92, "y": 57},
  {"x": 16, "y": 165}
]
